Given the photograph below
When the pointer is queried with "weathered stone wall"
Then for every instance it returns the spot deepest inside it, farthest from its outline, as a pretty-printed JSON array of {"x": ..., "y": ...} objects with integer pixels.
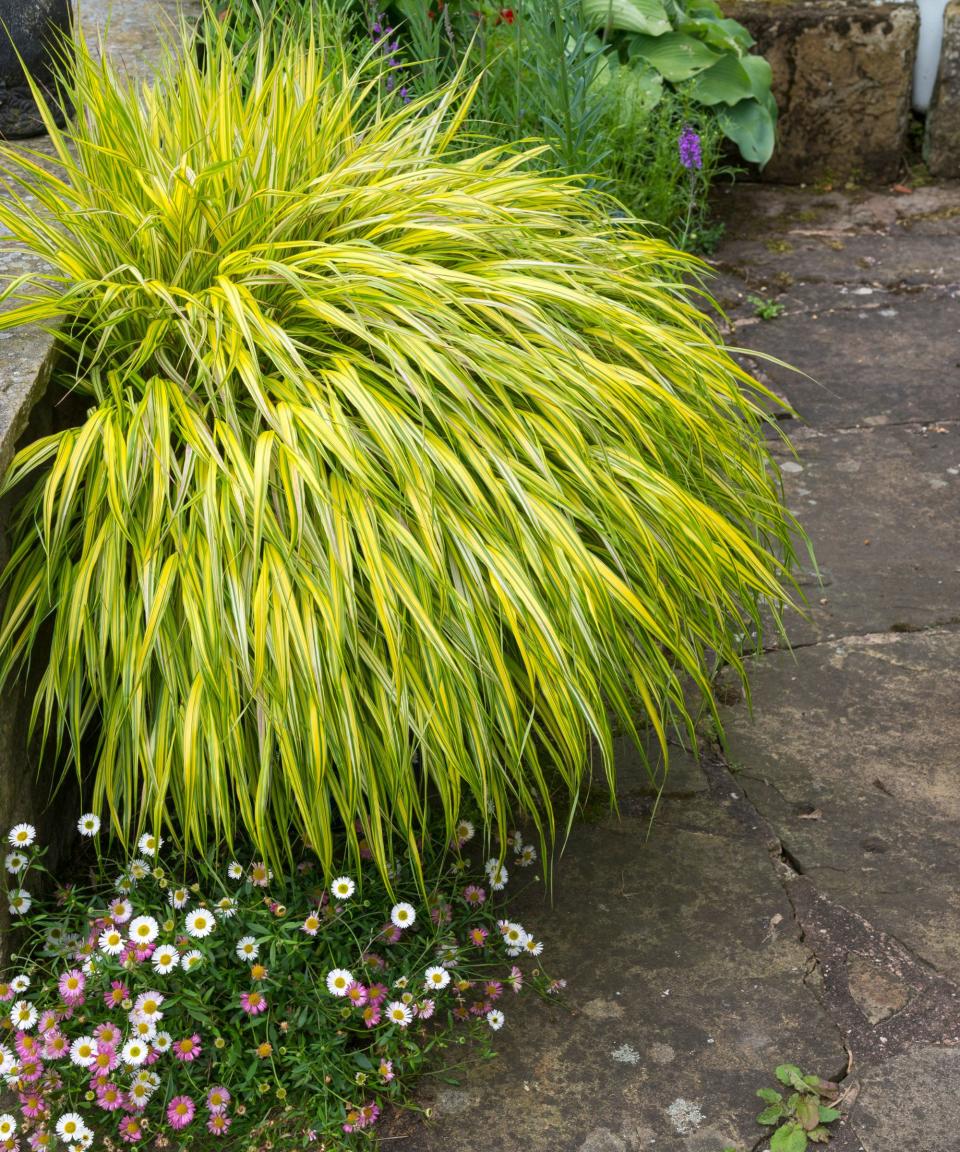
[
  {"x": 942, "y": 144},
  {"x": 842, "y": 76},
  {"x": 34, "y": 29}
]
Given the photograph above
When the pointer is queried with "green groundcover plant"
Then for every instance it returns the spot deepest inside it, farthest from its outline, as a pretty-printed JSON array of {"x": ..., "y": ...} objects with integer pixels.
[
  {"x": 404, "y": 468},
  {"x": 246, "y": 1009}
]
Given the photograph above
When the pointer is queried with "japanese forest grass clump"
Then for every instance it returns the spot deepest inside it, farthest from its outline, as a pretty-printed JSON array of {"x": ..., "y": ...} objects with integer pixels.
[{"x": 404, "y": 472}]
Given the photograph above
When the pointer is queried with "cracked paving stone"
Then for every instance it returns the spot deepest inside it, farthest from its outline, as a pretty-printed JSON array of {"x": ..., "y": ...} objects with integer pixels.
[
  {"x": 686, "y": 986},
  {"x": 860, "y": 734},
  {"x": 910, "y": 1102}
]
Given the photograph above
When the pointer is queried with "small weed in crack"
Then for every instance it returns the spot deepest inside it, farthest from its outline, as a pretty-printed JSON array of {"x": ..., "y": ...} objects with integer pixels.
[{"x": 802, "y": 1117}]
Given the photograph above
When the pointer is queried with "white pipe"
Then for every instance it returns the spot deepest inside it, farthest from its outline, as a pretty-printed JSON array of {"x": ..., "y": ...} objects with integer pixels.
[{"x": 928, "y": 52}]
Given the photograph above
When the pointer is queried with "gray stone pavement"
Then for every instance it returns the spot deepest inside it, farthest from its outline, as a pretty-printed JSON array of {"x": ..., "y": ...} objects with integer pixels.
[{"x": 797, "y": 896}]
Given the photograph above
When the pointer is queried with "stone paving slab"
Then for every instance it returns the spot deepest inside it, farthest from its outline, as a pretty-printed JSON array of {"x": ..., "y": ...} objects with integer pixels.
[
  {"x": 685, "y": 987},
  {"x": 855, "y": 492},
  {"x": 852, "y": 756}
]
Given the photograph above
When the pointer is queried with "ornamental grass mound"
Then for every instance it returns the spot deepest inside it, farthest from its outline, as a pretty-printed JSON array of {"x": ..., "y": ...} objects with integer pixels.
[{"x": 406, "y": 470}]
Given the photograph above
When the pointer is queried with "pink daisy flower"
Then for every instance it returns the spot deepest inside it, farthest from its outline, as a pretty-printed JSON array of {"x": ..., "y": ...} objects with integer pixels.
[
  {"x": 180, "y": 1111},
  {"x": 32, "y": 1104},
  {"x": 116, "y": 994},
  {"x": 30, "y": 1071},
  {"x": 493, "y": 989},
  {"x": 27, "y": 1046},
  {"x": 71, "y": 985},
  {"x": 425, "y": 1009},
  {"x": 217, "y": 1099},
  {"x": 110, "y": 1098},
  {"x": 107, "y": 1033},
  {"x": 130, "y": 1130},
  {"x": 357, "y": 994},
  {"x": 105, "y": 1060},
  {"x": 218, "y": 1124},
  {"x": 253, "y": 1003},
  {"x": 55, "y": 1045},
  {"x": 47, "y": 1021},
  {"x": 377, "y": 993},
  {"x": 187, "y": 1049},
  {"x": 6, "y": 992},
  {"x": 40, "y": 1140},
  {"x": 371, "y": 1014},
  {"x": 515, "y": 979},
  {"x": 474, "y": 894},
  {"x": 478, "y": 937},
  {"x": 374, "y": 960},
  {"x": 385, "y": 1071},
  {"x": 390, "y": 934}
]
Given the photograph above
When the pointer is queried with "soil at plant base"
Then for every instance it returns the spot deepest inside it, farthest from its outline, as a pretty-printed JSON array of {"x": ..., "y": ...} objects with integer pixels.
[{"x": 798, "y": 896}]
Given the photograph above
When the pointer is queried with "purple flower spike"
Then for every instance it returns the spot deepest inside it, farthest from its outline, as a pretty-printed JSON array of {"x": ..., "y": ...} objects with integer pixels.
[{"x": 689, "y": 144}]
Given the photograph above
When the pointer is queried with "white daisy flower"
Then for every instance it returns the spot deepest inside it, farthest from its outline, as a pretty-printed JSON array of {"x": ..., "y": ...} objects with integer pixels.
[
  {"x": 436, "y": 978},
  {"x": 88, "y": 967},
  {"x": 70, "y": 1127},
  {"x": 23, "y": 1015},
  {"x": 143, "y": 929},
  {"x": 399, "y": 1013},
  {"x": 311, "y": 925},
  {"x": 498, "y": 878},
  {"x": 235, "y": 870},
  {"x": 147, "y": 1005},
  {"x": 260, "y": 874},
  {"x": 178, "y": 897},
  {"x": 20, "y": 983},
  {"x": 149, "y": 844},
  {"x": 162, "y": 1041},
  {"x": 192, "y": 959},
  {"x": 514, "y": 935},
  {"x": 7, "y": 1060},
  {"x": 526, "y": 856},
  {"x": 84, "y": 1140},
  {"x": 226, "y": 908},
  {"x": 165, "y": 958},
  {"x": 200, "y": 923},
  {"x": 134, "y": 1052},
  {"x": 343, "y": 888},
  {"x": 111, "y": 941},
  {"x": 15, "y": 862},
  {"x": 8, "y": 1126},
  {"x": 120, "y": 911},
  {"x": 139, "y": 870},
  {"x": 124, "y": 884},
  {"x": 403, "y": 915},
  {"x": 142, "y": 1028},
  {"x": 21, "y": 835},
  {"x": 19, "y": 900},
  {"x": 88, "y": 824},
  {"x": 248, "y": 948},
  {"x": 465, "y": 832},
  {"x": 55, "y": 938},
  {"x": 495, "y": 1019},
  {"x": 533, "y": 947},
  {"x": 83, "y": 1051},
  {"x": 338, "y": 981}
]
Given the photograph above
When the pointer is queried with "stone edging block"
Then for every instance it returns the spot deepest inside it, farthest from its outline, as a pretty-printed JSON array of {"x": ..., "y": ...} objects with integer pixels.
[
  {"x": 842, "y": 78},
  {"x": 942, "y": 144}
]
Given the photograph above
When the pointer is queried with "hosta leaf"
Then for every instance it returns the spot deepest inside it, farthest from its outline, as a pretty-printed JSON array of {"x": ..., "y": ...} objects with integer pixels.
[
  {"x": 726, "y": 82},
  {"x": 647, "y": 16},
  {"x": 726, "y": 35},
  {"x": 675, "y": 56},
  {"x": 760, "y": 73},
  {"x": 751, "y": 127}
]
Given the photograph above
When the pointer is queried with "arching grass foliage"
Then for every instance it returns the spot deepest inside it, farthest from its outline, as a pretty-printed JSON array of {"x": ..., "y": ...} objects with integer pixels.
[{"x": 403, "y": 468}]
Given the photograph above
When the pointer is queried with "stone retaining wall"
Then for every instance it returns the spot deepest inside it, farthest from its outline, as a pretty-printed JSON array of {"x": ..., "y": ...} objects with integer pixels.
[{"x": 842, "y": 78}]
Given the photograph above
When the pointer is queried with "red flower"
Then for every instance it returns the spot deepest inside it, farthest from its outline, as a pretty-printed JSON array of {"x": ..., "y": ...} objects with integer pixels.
[{"x": 506, "y": 16}]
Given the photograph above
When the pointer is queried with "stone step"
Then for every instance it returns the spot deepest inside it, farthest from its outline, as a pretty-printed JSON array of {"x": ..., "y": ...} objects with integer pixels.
[{"x": 842, "y": 78}]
